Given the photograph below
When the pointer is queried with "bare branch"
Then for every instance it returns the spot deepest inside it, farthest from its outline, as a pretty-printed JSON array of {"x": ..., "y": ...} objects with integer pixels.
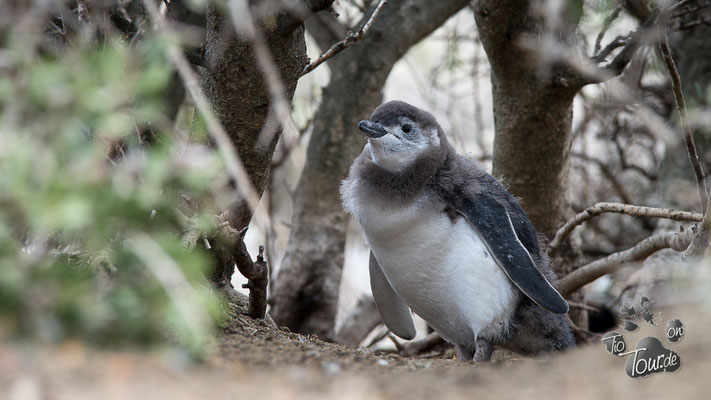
[
  {"x": 345, "y": 43},
  {"x": 618, "y": 64},
  {"x": 700, "y": 241},
  {"x": 606, "y": 25},
  {"x": 581, "y": 74},
  {"x": 412, "y": 349},
  {"x": 231, "y": 248},
  {"x": 618, "y": 42},
  {"x": 683, "y": 118},
  {"x": 609, "y": 174},
  {"x": 590, "y": 272},
  {"x": 618, "y": 208},
  {"x": 692, "y": 24},
  {"x": 681, "y": 4},
  {"x": 373, "y": 341},
  {"x": 583, "y": 306},
  {"x": 359, "y": 323}
]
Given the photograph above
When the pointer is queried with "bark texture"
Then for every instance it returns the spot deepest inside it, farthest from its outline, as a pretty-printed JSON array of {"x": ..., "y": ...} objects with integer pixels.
[
  {"x": 306, "y": 291},
  {"x": 239, "y": 95},
  {"x": 532, "y": 110}
]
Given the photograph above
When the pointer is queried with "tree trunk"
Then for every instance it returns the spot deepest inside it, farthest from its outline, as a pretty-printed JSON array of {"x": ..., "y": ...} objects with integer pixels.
[
  {"x": 306, "y": 291},
  {"x": 238, "y": 93},
  {"x": 533, "y": 114}
]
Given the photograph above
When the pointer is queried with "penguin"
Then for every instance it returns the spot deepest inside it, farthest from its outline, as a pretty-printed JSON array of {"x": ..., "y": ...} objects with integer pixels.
[{"x": 449, "y": 242}]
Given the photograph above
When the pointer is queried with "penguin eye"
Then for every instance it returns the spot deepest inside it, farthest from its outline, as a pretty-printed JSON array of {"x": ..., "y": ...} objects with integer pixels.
[{"x": 406, "y": 128}]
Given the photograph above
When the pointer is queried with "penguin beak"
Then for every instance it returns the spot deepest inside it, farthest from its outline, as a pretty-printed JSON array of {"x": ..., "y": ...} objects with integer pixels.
[{"x": 372, "y": 129}]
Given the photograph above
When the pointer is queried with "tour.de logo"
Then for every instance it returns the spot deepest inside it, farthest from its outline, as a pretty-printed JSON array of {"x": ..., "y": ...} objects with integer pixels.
[{"x": 649, "y": 356}]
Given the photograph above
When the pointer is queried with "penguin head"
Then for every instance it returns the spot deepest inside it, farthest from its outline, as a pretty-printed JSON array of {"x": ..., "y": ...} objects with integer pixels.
[{"x": 399, "y": 134}]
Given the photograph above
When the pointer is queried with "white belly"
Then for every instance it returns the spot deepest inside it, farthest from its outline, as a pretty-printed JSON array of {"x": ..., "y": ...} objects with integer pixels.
[{"x": 442, "y": 270}]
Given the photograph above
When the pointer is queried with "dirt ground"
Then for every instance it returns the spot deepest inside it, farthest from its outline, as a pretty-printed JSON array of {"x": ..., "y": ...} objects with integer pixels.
[{"x": 253, "y": 360}]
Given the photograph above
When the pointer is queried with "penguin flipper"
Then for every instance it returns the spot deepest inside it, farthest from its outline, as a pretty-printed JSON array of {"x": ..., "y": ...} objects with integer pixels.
[
  {"x": 395, "y": 313},
  {"x": 493, "y": 222}
]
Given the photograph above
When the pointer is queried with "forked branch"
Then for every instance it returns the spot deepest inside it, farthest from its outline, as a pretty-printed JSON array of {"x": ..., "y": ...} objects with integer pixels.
[
  {"x": 607, "y": 265},
  {"x": 618, "y": 208},
  {"x": 230, "y": 249}
]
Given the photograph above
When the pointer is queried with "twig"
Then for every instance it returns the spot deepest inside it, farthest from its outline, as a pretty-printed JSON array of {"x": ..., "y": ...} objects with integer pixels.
[
  {"x": 590, "y": 72},
  {"x": 288, "y": 147},
  {"x": 683, "y": 118},
  {"x": 618, "y": 64},
  {"x": 583, "y": 306},
  {"x": 680, "y": 4},
  {"x": 590, "y": 272},
  {"x": 691, "y": 24},
  {"x": 618, "y": 42},
  {"x": 231, "y": 248},
  {"x": 609, "y": 174},
  {"x": 618, "y": 208},
  {"x": 345, "y": 43},
  {"x": 378, "y": 337},
  {"x": 411, "y": 349},
  {"x": 257, "y": 273},
  {"x": 606, "y": 25}
]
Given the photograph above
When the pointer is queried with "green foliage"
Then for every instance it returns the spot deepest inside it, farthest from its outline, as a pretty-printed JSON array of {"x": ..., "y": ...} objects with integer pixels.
[{"x": 89, "y": 223}]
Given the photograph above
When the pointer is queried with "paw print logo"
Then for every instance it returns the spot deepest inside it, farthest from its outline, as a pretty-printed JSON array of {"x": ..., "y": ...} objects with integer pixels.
[{"x": 649, "y": 356}]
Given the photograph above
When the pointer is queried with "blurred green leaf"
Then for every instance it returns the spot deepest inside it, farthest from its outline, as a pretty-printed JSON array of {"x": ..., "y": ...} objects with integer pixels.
[{"x": 77, "y": 188}]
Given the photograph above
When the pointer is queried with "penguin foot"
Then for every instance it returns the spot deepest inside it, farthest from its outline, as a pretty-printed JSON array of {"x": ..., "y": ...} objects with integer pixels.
[
  {"x": 464, "y": 354},
  {"x": 480, "y": 353},
  {"x": 484, "y": 348}
]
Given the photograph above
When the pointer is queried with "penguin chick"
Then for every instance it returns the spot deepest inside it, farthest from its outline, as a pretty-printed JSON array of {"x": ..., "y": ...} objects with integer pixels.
[{"x": 449, "y": 242}]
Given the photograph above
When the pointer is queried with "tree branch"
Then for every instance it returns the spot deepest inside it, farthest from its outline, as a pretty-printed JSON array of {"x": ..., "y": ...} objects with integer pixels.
[
  {"x": 230, "y": 248},
  {"x": 618, "y": 64},
  {"x": 618, "y": 208},
  {"x": 345, "y": 43},
  {"x": 683, "y": 118},
  {"x": 412, "y": 349},
  {"x": 616, "y": 43},
  {"x": 590, "y": 272},
  {"x": 359, "y": 323},
  {"x": 616, "y": 185},
  {"x": 583, "y": 74},
  {"x": 606, "y": 25}
]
